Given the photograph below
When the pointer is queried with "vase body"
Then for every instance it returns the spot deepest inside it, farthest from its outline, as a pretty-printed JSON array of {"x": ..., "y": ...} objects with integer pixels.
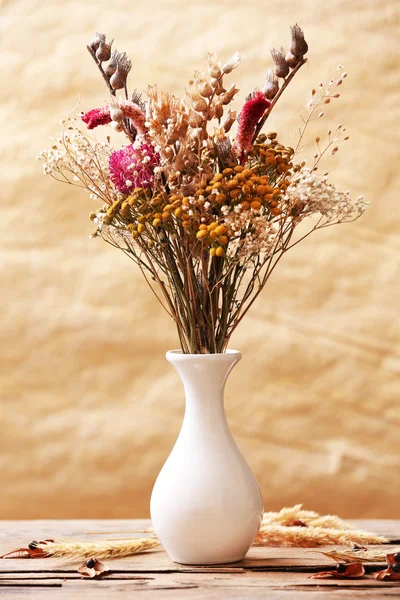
[{"x": 206, "y": 506}]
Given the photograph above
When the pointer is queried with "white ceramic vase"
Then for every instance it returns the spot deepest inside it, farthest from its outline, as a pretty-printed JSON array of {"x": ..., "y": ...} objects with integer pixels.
[{"x": 206, "y": 506}]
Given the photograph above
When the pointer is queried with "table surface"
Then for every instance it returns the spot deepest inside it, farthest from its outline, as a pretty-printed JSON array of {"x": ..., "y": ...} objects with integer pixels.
[{"x": 281, "y": 573}]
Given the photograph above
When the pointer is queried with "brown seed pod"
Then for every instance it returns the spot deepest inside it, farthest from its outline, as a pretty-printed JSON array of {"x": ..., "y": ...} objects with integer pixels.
[
  {"x": 281, "y": 67},
  {"x": 205, "y": 89},
  {"x": 118, "y": 80},
  {"x": 298, "y": 45},
  {"x": 195, "y": 120},
  {"x": 292, "y": 60},
  {"x": 103, "y": 52},
  {"x": 112, "y": 65},
  {"x": 229, "y": 121},
  {"x": 218, "y": 110},
  {"x": 198, "y": 103},
  {"x": 97, "y": 39},
  {"x": 215, "y": 72},
  {"x": 271, "y": 86}
]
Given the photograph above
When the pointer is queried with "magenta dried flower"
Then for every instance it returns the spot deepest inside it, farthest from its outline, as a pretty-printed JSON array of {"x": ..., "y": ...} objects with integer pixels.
[
  {"x": 133, "y": 167},
  {"x": 251, "y": 113},
  {"x": 97, "y": 116}
]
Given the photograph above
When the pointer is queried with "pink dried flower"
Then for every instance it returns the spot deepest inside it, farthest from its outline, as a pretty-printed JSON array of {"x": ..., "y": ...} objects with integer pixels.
[
  {"x": 133, "y": 167},
  {"x": 135, "y": 113},
  {"x": 251, "y": 113},
  {"x": 97, "y": 116}
]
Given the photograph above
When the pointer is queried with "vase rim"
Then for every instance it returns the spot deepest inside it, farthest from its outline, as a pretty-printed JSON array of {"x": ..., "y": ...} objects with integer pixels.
[{"x": 179, "y": 355}]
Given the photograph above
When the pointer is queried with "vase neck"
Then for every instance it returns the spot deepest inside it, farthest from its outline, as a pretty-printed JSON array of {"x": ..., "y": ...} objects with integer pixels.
[{"x": 204, "y": 376}]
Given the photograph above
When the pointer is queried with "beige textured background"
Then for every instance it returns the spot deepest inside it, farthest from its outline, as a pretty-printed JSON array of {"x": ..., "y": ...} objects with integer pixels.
[{"x": 89, "y": 406}]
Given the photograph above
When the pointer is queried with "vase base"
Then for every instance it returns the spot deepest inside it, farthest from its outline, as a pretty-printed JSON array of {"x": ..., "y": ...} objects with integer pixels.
[{"x": 196, "y": 563}]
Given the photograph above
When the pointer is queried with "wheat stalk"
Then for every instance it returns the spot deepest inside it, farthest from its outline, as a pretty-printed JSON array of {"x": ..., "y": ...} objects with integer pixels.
[
  {"x": 372, "y": 555},
  {"x": 308, "y": 537},
  {"x": 287, "y": 516},
  {"x": 100, "y": 550}
]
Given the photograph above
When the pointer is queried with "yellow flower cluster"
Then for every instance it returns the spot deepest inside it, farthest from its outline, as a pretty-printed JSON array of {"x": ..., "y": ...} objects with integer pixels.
[{"x": 253, "y": 187}]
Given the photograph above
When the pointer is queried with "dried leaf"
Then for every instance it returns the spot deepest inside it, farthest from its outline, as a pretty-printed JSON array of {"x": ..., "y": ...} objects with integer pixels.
[
  {"x": 393, "y": 557},
  {"x": 93, "y": 568},
  {"x": 342, "y": 571},
  {"x": 387, "y": 575},
  {"x": 32, "y": 551}
]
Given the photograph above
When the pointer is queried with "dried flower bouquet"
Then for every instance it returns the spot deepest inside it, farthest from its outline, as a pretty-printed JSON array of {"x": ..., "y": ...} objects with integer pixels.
[{"x": 205, "y": 216}]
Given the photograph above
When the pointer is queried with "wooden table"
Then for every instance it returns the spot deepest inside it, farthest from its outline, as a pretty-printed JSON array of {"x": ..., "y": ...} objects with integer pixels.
[{"x": 273, "y": 573}]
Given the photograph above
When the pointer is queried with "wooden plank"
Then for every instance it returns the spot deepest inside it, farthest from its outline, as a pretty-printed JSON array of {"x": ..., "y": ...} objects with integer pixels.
[{"x": 280, "y": 572}]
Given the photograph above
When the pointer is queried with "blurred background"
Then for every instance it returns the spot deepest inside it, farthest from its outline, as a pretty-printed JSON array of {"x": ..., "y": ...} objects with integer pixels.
[{"x": 90, "y": 408}]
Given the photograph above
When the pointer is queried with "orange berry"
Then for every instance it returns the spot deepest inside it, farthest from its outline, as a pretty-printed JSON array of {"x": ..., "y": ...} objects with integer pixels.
[
  {"x": 201, "y": 234},
  {"x": 238, "y": 169},
  {"x": 220, "y": 230},
  {"x": 165, "y": 215},
  {"x": 212, "y": 225},
  {"x": 203, "y": 226},
  {"x": 186, "y": 224},
  {"x": 255, "y": 204},
  {"x": 141, "y": 228},
  {"x": 212, "y": 251},
  {"x": 223, "y": 240},
  {"x": 185, "y": 217},
  {"x": 261, "y": 190},
  {"x": 234, "y": 193},
  {"x": 178, "y": 212},
  {"x": 232, "y": 183},
  {"x": 220, "y": 251},
  {"x": 245, "y": 205},
  {"x": 157, "y": 222},
  {"x": 227, "y": 171},
  {"x": 213, "y": 235},
  {"x": 276, "y": 211}
]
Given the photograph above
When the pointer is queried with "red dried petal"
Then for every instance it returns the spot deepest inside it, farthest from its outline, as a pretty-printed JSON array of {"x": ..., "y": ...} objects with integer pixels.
[
  {"x": 351, "y": 571},
  {"x": 97, "y": 116},
  {"x": 95, "y": 568},
  {"x": 387, "y": 574},
  {"x": 251, "y": 113}
]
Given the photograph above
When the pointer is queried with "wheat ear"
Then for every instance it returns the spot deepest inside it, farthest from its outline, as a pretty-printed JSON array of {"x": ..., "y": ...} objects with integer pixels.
[
  {"x": 287, "y": 516},
  {"x": 373, "y": 555},
  {"x": 100, "y": 550},
  {"x": 308, "y": 537}
]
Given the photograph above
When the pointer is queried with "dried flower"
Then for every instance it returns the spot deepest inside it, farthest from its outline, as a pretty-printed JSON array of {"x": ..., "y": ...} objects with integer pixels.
[
  {"x": 298, "y": 45},
  {"x": 97, "y": 116},
  {"x": 232, "y": 63},
  {"x": 271, "y": 86},
  {"x": 118, "y": 79},
  {"x": 98, "y": 38},
  {"x": 134, "y": 112},
  {"x": 342, "y": 571},
  {"x": 103, "y": 51},
  {"x": 292, "y": 60},
  {"x": 112, "y": 65},
  {"x": 281, "y": 67},
  {"x": 192, "y": 207},
  {"x": 251, "y": 113},
  {"x": 133, "y": 167}
]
